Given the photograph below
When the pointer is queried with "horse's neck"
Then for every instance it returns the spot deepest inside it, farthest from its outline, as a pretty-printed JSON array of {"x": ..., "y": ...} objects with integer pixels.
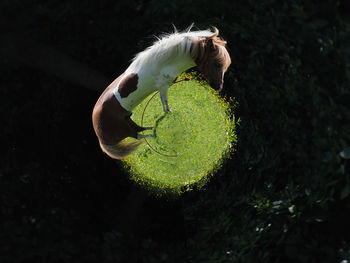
[
  {"x": 169, "y": 71},
  {"x": 160, "y": 74}
]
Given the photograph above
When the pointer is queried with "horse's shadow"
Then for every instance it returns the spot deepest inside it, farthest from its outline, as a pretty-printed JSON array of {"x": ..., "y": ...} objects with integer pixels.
[{"x": 157, "y": 123}]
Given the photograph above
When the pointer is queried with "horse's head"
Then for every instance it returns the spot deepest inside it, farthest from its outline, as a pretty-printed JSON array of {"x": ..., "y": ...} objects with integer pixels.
[{"x": 212, "y": 58}]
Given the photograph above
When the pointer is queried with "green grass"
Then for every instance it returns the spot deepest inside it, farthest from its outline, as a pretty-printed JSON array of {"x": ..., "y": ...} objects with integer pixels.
[{"x": 193, "y": 140}]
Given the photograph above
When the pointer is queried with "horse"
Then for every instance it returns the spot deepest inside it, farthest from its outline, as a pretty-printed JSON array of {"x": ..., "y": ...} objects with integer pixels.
[{"x": 155, "y": 69}]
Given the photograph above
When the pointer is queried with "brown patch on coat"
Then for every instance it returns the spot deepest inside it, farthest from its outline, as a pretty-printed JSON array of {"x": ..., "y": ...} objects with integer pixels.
[
  {"x": 128, "y": 85},
  {"x": 110, "y": 120}
]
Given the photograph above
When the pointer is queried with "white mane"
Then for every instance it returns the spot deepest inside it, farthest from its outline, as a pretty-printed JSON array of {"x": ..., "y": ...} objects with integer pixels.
[{"x": 168, "y": 46}]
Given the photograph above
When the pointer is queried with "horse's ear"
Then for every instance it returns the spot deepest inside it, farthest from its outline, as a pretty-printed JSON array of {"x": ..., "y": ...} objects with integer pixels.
[
  {"x": 210, "y": 43},
  {"x": 216, "y": 32},
  {"x": 211, "y": 39}
]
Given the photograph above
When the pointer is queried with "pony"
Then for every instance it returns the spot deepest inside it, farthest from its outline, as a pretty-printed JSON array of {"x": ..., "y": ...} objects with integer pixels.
[{"x": 155, "y": 69}]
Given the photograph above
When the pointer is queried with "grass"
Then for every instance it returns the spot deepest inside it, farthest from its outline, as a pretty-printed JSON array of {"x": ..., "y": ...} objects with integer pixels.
[{"x": 192, "y": 140}]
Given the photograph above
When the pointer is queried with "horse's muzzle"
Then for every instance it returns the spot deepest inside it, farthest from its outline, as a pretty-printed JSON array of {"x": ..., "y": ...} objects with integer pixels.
[{"x": 217, "y": 84}]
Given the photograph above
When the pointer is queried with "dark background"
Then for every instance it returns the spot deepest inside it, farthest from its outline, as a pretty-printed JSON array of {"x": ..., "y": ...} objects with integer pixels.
[{"x": 282, "y": 197}]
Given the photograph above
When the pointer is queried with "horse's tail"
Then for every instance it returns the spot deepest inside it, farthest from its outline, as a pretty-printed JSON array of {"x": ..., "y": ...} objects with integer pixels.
[{"x": 121, "y": 149}]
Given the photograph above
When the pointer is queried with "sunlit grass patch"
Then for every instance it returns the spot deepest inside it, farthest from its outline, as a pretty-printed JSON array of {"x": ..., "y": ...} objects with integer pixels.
[{"x": 191, "y": 142}]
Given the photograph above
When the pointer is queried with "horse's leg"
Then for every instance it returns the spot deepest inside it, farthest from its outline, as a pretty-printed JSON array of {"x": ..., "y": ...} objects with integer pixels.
[
  {"x": 164, "y": 98},
  {"x": 138, "y": 128},
  {"x": 141, "y": 136}
]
